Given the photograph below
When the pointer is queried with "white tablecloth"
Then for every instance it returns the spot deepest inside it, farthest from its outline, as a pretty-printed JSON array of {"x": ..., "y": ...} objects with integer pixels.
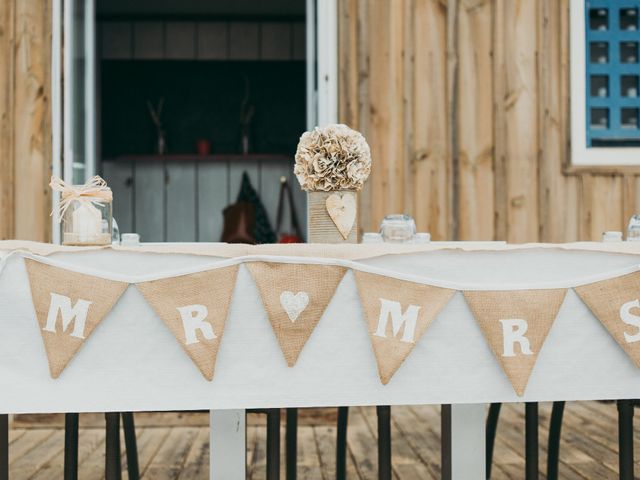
[{"x": 146, "y": 369}]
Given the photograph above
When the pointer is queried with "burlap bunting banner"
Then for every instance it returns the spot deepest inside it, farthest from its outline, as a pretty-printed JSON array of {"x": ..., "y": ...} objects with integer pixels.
[
  {"x": 69, "y": 306},
  {"x": 195, "y": 308},
  {"x": 295, "y": 296},
  {"x": 616, "y": 304},
  {"x": 516, "y": 324},
  {"x": 397, "y": 314}
]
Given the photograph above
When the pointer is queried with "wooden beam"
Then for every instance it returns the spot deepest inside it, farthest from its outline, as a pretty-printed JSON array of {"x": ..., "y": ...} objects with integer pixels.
[
  {"x": 452, "y": 109},
  {"x": 32, "y": 134},
  {"x": 518, "y": 101},
  {"x": 556, "y": 224},
  {"x": 7, "y": 67},
  {"x": 474, "y": 121},
  {"x": 431, "y": 157}
]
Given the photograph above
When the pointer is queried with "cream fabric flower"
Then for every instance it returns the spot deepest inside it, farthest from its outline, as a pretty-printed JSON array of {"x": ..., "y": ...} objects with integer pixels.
[{"x": 334, "y": 157}]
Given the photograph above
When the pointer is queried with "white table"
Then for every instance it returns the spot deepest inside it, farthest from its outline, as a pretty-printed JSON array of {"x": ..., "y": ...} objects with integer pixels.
[{"x": 452, "y": 364}]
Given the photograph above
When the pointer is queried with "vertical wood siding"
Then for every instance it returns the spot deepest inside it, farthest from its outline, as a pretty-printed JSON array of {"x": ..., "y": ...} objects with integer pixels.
[
  {"x": 25, "y": 119},
  {"x": 465, "y": 104}
]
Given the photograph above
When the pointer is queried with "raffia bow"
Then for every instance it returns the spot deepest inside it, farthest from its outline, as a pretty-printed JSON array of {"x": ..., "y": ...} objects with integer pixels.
[{"x": 95, "y": 191}]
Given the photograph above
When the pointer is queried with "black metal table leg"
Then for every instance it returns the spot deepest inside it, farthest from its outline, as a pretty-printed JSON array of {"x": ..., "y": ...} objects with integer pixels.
[
  {"x": 625, "y": 439},
  {"x": 531, "y": 441},
  {"x": 4, "y": 447},
  {"x": 71, "y": 446},
  {"x": 291, "y": 437},
  {"x": 273, "y": 444},
  {"x": 555, "y": 428},
  {"x": 131, "y": 445},
  {"x": 341, "y": 443},
  {"x": 112, "y": 467},
  {"x": 384, "y": 442},
  {"x": 490, "y": 438},
  {"x": 445, "y": 441}
]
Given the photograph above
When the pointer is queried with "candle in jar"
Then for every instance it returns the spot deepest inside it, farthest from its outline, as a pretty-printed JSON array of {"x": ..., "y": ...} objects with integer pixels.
[{"x": 87, "y": 223}]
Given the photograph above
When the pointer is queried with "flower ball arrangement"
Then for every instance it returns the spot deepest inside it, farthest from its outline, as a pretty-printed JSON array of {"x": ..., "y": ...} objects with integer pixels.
[
  {"x": 332, "y": 164},
  {"x": 332, "y": 158}
]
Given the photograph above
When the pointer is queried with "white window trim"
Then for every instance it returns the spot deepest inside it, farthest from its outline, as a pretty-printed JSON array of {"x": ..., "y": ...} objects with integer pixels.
[
  {"x": 580, "y": 154},
  {"x": 327, "y": 51},
  {"x": 56, "y": 111}
]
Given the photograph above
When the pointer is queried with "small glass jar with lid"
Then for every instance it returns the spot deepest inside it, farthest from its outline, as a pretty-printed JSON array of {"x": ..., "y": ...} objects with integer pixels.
[{"x": 85, "y": 212}]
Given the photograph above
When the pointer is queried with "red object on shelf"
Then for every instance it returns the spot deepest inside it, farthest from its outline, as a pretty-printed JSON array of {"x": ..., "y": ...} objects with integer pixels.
[
  {"x": 290, "y": 238},
  {"x": 204, "y": 147}
]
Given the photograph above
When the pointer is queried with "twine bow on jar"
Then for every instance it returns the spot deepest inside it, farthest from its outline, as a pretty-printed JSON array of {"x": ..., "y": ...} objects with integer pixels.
[{"x": 94, "y": 191}]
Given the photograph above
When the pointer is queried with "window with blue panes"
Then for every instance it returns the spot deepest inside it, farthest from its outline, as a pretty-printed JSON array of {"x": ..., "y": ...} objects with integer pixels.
[{"x": 613, "y": 72}]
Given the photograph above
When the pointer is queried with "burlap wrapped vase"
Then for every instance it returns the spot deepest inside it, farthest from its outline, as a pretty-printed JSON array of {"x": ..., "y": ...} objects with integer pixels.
[{"x": 333, "y": 216}]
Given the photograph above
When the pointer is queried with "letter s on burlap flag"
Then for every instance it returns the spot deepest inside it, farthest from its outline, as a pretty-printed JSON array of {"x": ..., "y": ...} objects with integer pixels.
[
  {"x": 295, "y": 296},
  {"x": 397, "y": 313},
  {"x": 516, "y": 324},
  {"x": 195, "y": 308},
  {"x": 69, "y": 306},
  {"x": 616, "y": 303}
]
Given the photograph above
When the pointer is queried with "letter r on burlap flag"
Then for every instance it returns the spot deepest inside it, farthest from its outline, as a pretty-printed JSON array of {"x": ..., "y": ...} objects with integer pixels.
[
  {"x": 69, "y": 306},
  {"x": 616, "y": 303},
  {"x": 195, "y": 308},
  {"x": 516, "y": 324},
  {"x": 295, "y": 296},
  {"x": 397, "y": 313}
]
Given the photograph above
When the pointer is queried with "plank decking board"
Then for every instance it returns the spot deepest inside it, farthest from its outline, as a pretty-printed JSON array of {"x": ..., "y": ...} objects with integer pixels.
[
  {"x": 88, "y": 442},
  {"x": 38, "y": 456},
  {"x": 170, "y": 458},
  {"x": 176, "y": 445}
]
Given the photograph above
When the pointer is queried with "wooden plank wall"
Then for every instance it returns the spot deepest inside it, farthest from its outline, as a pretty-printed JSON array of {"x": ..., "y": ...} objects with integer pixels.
[
  {"x": 465, "y": 104},
  {"x": 182, "y": 200},
  {"x": 25, "y": 119}
]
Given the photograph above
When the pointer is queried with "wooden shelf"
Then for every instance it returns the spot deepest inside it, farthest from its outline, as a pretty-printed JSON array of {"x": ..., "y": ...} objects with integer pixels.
[{"x": 194, "y": 157}]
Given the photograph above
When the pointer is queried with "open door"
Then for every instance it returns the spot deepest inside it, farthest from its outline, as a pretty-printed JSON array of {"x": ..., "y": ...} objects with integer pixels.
[{"x": 76, "y": 63}]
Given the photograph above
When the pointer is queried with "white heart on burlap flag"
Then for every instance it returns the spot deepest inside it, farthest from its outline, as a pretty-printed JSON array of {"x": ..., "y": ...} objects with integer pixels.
[
  {"x": 69, "y": 307},
  {"x": 294, "y": 320}
]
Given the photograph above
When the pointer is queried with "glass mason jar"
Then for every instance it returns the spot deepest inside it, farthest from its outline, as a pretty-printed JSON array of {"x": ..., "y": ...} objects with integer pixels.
[
  {"x": 398, "y": 229},
  {"x": 87, "y": 222}
]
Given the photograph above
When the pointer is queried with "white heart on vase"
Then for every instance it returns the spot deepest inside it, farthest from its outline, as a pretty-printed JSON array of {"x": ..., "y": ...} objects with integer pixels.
[
  {"x": 342, "y": 210},
  {"x": 294, "y": 304}
]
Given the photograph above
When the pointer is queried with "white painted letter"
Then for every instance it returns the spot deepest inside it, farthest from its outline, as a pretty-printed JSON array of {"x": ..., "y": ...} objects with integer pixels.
[
  {"x": 513, "y": 330},
  {"x": 193, "y": 318},
  {"x": 630, "y": 319},
  {"x": 398, "y": 319},
  {"x": 62, "y": 304}
]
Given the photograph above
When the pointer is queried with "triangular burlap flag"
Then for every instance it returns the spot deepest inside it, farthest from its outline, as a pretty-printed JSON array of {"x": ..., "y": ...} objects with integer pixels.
[
  {"x": 515, "y": 324},
  {"x": 295, "y": 296},
  {"x": 69, "y": 306},
  {"x": 195, "y": 308},
  {"x": 397, "y": 314},
  {"x": 616, "y": 304}
]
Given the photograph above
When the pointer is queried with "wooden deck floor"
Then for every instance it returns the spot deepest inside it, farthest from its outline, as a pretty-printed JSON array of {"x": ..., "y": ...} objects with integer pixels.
[{"x": 176, "y": 446}]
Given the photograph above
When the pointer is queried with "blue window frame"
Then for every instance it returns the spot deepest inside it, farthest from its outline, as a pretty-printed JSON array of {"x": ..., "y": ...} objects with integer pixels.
[{"x": 613, "y": 72}]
